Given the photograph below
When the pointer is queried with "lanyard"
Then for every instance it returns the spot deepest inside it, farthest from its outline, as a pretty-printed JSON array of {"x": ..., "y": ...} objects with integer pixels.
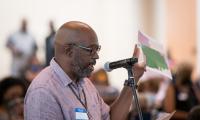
[{"x": 79, "y": 99}]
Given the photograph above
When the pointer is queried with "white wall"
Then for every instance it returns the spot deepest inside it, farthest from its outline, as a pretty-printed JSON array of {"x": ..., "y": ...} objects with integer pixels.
[{"x": 115, "y": 23}]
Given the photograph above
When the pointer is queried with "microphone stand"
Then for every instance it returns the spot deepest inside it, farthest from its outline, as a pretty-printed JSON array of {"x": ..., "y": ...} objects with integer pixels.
[{"x": 131, "y": 80}]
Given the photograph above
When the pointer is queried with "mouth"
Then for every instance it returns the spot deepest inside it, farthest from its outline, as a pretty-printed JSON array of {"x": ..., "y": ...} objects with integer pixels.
[{"x": 91, "y": 65}]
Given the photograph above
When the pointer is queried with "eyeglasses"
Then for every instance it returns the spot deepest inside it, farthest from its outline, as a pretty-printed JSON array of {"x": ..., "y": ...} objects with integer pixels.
[{"x": 93, "y": 49}]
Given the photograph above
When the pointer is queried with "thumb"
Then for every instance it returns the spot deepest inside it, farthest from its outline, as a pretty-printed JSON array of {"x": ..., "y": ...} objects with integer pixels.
[{"x": 136, "y": 52}]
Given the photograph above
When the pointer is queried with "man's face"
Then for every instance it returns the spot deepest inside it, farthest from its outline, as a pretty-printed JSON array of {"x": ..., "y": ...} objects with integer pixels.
[
  {"x": 84, "y": 46},
  {"x": 84, "y": 60}
]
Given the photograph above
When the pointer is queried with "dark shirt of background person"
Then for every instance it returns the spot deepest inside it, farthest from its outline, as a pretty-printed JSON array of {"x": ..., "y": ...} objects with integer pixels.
[{"x": 50, "y": 44}]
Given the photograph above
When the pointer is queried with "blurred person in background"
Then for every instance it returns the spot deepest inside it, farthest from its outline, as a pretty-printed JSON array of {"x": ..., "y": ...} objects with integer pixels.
[
  {"x": 49, "y": 52},
  {"x": 180, "y": 96},
  {"x": 12, "y": 92},
  {"x": 23, "y": 47},
  {"x": 196, "y": 87},
  {"x": 143, "y": 102},
  {"x": 149, "y": 89},
  {"x": 149, "y": 98},
  {"x": 194, "y": 113},
  {"x": 32, "y": 70},
  {"x": 100, "y": 80}
]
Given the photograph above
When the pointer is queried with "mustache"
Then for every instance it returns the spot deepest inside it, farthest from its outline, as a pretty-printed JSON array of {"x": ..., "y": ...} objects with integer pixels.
[{"x": 93, "y": 62}]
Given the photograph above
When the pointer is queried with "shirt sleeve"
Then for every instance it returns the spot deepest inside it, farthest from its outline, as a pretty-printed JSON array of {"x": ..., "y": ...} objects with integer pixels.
[{"x": 41, "y": 105}]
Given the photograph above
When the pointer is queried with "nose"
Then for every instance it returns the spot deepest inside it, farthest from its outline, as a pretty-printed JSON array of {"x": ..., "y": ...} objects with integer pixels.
[{"x": 96, "y": 55}]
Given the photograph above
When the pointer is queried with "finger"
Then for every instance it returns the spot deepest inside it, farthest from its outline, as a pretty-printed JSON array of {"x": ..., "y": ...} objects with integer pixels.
[
  {"x": 136, "y": 52},
  {"x": 144, "y": 62}
]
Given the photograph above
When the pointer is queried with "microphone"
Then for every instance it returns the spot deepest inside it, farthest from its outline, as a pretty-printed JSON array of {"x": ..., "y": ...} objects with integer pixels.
[{"x": 109, "y": 66}]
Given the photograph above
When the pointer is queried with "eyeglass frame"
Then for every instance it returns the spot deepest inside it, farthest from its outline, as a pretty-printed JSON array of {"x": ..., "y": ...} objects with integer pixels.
[{"x": 88, "y": 49}]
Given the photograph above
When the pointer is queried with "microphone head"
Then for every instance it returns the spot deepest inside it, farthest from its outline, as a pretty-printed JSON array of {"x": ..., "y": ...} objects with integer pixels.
[{"x": 106, "y": 67}]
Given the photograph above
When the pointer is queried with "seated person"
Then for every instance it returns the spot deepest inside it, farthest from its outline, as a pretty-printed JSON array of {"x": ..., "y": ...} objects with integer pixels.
[
  {"x": 12, "y": 92},
  {"x": 101, "y": 82}
]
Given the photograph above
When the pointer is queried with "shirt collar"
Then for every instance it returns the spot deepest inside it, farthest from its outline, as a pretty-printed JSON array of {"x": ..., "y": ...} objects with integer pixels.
[
  {"x": 66, "y": 80},
  {"x": 60, "y": 73}
]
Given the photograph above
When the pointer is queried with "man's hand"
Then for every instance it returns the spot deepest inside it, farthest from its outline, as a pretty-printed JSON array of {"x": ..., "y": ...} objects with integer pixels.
[{"x": 139, "y": 68}]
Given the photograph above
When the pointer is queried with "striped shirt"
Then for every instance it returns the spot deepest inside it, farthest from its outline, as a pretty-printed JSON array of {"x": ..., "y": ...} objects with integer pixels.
[{"x": 54, "y": 96}]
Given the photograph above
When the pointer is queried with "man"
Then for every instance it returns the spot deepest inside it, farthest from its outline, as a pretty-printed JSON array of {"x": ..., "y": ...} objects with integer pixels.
[
  {"x": 62, "y": 91},
  {"x": 49, "y": 42},
  {"x": 23, "y": 47}
]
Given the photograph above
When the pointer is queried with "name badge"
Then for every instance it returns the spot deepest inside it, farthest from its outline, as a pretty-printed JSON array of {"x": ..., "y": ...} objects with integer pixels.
[{"x": 81, "y": 114}]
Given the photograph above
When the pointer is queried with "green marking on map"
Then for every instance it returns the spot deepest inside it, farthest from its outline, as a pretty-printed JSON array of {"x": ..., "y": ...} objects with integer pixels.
[{"x": 154, "y": 59}]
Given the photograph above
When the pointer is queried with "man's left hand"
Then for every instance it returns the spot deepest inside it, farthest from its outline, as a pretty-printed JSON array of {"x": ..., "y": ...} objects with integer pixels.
[{"x": 139, "y": 68}]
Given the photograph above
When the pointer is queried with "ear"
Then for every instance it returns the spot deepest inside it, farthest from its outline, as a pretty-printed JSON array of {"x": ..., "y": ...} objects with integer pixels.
[{"x": 68, "y": 51}]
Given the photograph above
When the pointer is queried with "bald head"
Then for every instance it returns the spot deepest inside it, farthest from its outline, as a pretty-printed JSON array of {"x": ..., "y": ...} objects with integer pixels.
[{"x": 71, "y": 32}]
